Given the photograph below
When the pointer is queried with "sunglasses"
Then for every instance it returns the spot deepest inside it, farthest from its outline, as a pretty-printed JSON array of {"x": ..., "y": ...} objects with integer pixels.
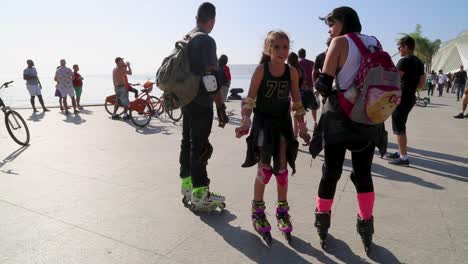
[{"x": 278, "y": 47}]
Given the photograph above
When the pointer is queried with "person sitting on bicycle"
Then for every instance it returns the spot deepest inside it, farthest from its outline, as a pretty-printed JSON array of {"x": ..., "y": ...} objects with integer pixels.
[{"x": 120, "y": 79}]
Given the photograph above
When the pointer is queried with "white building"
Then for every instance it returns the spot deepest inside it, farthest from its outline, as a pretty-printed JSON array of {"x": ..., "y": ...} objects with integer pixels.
[{"x": 452, "y": 54}]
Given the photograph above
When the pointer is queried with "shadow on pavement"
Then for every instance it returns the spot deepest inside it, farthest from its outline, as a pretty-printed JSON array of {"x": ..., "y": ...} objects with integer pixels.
[
  {"x": 393, "y": 175},
  {"x": 432, "y": 154},
  {"x": 437, "y": 163},
  {"x": 11, "y": 158},
  {"x": 382, "y": 255},
  {"x": 447, "y": 170},
  {"x": 341, "y": 251},
  {"x": 86, "y": 112},
  {"x": 234, "y": 121},
  {"x": 251, "y": 245},
  {"x": 389, "y": 174},
  {"x": 306, "y": 248},
  {"x": 438, "y": 104},
  {"x": 151, "y": 130},
  {"x": 74, "y": 119},
  {"x": 35, "y": 117}
]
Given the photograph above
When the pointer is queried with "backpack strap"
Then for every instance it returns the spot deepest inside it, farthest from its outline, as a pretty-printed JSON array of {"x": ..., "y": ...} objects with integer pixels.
[
  {"x": 379, "y": 45},
  {"x": 189, "y": 37},
  {"x": 362, "y": 48}
]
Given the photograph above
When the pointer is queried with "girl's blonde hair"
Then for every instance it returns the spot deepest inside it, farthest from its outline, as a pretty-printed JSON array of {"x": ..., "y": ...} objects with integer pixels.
[{"x": 268, "y": 43}]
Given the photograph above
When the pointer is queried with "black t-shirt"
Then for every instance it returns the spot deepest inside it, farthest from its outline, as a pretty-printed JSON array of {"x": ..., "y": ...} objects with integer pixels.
[
  {"x": 413, "y": 68},
  {"x": 202, "y": 53},
  {"x": 460, "y": 77}
]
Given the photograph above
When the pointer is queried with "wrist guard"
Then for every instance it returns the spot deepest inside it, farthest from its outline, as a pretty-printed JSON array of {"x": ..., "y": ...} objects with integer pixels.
[
  {"x": 324, "y": 84},
  {"x": 298, "y": 109}
]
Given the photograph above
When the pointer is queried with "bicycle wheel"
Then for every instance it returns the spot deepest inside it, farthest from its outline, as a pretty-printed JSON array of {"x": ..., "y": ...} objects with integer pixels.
[
  {"x": 421, "y": 102},
  {"x": 157, "y": 105},
  {"x": 175, "y": 114},
  {"x": 109, "y": 106},
  {"x": 143, "y": 117},
  {"x": 17, "y": 128}
]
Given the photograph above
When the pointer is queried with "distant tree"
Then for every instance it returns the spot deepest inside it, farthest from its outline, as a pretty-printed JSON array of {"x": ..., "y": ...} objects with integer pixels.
[{"x": 425, "y": 48}]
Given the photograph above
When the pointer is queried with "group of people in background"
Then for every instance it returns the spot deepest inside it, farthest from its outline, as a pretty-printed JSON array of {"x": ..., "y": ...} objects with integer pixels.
[
  {"x": 69, "y": 84},
  {"x": 450, "y": 82},
  {"x": 453, "y": 82}
]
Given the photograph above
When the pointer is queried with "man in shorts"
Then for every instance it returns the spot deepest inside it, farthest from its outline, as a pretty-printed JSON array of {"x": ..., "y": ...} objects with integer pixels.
[
  {"x": 64, "y": 79},
  {"x": 412, "y": 78},
  {"x": 33, "y": 85},
  {"x": 308, "y": 98},
  {"x": 119, "y": 75}
]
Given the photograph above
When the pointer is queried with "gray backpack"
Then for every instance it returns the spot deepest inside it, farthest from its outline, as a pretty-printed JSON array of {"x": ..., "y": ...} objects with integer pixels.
[{"x": 174, "y": 78}]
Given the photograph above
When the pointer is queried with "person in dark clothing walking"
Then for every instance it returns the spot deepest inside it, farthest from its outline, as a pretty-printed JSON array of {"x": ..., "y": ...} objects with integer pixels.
[{"x": 460, "y": 82}]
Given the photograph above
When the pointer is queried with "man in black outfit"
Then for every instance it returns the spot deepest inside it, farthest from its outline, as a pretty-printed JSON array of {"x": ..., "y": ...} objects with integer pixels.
[
  {"x": 412, "y": 77},
  {"x": 198, "y": 115},
  {"x": 460, "y": 82}
]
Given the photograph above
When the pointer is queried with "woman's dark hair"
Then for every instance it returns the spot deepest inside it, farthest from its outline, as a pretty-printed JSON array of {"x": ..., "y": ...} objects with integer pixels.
[
  {"x": 206, "y": 12},
  {"x": 223, "y": 60},
  {"x": 293, "y": 60},
  {"x": 347, "y": 16},
  {"x": 408, "y": 42}
]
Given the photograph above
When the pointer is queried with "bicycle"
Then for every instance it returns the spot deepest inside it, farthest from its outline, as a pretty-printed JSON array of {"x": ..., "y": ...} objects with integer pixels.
[
  {"x": 15, "y": 124},
  {"x": 175, "y": 114},
  {"x": 422, "y": 101},
  {"x": 144, "y": 107},
  {"x": 147, "y": 106}
]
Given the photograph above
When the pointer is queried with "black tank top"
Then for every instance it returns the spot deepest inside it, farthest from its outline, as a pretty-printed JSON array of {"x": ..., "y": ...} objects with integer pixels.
[{"x": 273, "y": 94}]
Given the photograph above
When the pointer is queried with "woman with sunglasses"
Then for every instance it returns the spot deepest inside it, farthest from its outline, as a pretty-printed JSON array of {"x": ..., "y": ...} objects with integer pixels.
[
  {"x": 337, "y": 133},
  {"x": 271, "y": 137}
]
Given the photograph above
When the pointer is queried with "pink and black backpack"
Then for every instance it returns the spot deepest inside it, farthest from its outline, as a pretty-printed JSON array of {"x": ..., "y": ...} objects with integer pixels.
[{"x": 376, "y": 88}]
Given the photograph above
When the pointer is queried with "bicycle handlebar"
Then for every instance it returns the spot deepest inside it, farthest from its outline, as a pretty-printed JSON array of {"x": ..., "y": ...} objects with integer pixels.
[{"x": 5, "y": 85}]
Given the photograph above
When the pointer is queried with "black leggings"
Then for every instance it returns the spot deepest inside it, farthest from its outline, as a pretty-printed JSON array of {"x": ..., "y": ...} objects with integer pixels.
[{"x": 333, "y": 166}]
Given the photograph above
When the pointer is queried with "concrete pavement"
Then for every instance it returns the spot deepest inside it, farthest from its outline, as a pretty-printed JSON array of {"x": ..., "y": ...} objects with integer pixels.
[{"x": 92, "y": 190}]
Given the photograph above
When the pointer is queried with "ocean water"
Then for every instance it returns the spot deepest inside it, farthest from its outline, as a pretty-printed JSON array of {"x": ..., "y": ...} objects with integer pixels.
[{"x": 97, "y": 86}]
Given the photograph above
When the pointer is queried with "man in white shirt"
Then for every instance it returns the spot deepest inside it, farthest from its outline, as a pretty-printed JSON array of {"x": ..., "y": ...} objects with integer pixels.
[
  {"x": 441, "y": 80},
  {"x": 33, "y": 85}
]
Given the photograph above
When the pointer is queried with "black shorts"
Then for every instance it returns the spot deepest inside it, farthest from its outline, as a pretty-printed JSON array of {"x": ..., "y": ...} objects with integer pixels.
[
  {"x": 400, "y": 117},
  {"x": 309, "y": 100}
]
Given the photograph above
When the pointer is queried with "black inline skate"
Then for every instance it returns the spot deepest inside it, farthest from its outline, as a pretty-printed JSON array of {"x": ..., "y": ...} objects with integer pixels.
[{"x": 322, "y": 223}]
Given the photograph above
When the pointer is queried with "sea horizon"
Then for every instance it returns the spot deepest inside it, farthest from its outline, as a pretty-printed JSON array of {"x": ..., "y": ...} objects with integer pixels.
[{"x": 96, "y": 86}]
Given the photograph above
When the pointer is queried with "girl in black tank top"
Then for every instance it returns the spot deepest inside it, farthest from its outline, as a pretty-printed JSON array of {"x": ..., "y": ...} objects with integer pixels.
[
  {"x": 271, "y": 137},
  {"x": 273, "y": 94}
]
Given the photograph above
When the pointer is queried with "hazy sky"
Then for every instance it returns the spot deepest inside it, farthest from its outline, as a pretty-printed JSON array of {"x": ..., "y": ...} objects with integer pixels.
[{"x": 93, "y": 33}]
